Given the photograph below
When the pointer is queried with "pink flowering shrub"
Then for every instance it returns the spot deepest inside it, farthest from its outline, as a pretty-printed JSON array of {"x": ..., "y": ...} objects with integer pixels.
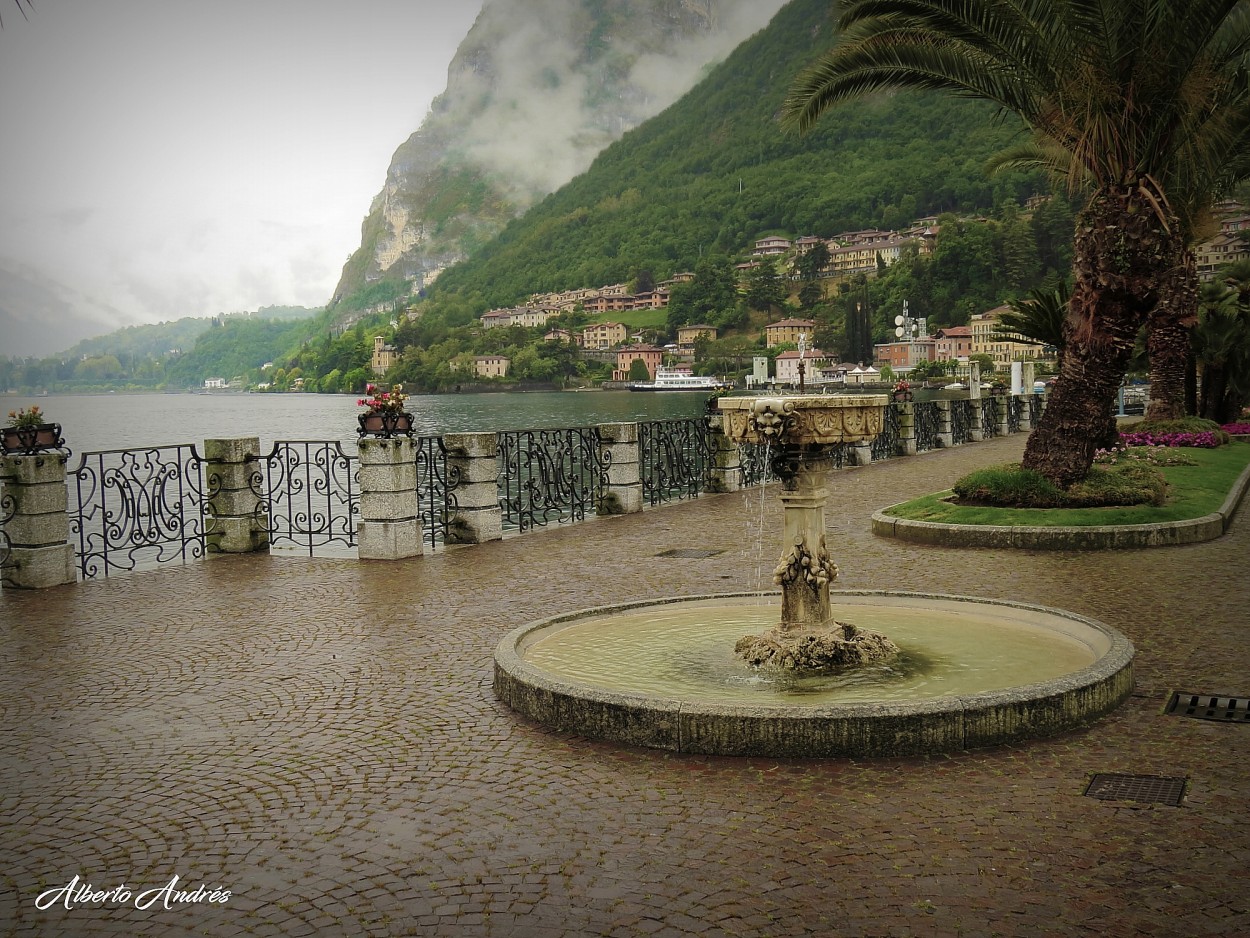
[
  {"x": 1237, "y": 429},
  {"x": 1205, "y": 439}
]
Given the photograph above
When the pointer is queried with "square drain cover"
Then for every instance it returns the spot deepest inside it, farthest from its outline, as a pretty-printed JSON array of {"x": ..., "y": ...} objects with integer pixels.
[
  {"x": 1209, "y": 707},
  {"x": 1150, "y": 788},
  {"x": 689, "y": 553}
]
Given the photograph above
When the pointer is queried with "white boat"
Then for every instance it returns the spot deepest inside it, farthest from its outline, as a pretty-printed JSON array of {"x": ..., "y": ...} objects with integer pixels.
[{"x": 669, "y": 380}]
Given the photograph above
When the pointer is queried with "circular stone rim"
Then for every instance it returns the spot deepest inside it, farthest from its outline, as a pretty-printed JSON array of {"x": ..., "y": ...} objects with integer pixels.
[{"x": 859, "y": 729}]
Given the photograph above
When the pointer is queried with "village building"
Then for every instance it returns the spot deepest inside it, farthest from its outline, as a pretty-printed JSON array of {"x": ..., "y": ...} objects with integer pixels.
[
  {"x": 1001, "y": 349},
  {"x": 766, "y": 247},
  {"x": 952, "y": 343},
  {"x": 603, "y": 335},
  {"x": 384, "y": 356},
  {"x": 786, "y": 366},
  {"x": 787, "y": 331},
  {"x": 491, "y": 366},
  {"x": 650, "y": 356},
  {"x": 686, "y": 335}
]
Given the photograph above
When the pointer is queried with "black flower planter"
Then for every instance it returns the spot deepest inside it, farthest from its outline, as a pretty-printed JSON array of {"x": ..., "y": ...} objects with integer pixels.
[
  {"x": 385, "y": 426},
  {"x": 25, "y": 441}
]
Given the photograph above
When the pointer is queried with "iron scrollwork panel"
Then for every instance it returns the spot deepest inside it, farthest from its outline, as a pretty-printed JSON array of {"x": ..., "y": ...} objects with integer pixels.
[
  {"x": 138, "y": 508},
  {"x": 309, "y": 494},
  {"x": 548, "y": 475},
  {"x": 989, "y": 417},
  {"x": 436, "y": 489},
  {"x": 961, "y": 422},
  {"x": 8, "y": 510},
  {"x": 928, "y": 423},
  {"x": 1036, "y": 406},
  {"x": 1013, "y": 414},
  {"x": 885, "y": 446},
  {"x": 676, "y": 458}
]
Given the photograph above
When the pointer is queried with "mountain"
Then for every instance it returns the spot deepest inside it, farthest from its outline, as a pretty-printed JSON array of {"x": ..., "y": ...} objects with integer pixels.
[
  {"x": 536, "y": 89},
  {"x": 715, "y": 171},
  {"x": 30, "y": 301}
]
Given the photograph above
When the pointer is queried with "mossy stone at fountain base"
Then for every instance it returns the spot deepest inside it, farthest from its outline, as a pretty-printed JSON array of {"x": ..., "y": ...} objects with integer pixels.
[{"x": 839, "y": 646}]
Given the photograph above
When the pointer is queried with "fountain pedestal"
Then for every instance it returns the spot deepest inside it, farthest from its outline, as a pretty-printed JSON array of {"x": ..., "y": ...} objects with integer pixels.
[{"x": 799, "y": 430}]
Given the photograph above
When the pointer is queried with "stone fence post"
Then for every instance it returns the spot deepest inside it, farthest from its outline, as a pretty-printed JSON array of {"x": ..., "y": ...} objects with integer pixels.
[
  {"x": 1026, "y": 417},
  {"x": 389, "y": 526},
  {"x": 906, "y": 427},
  {"x": 976, "y": 432},
  {"x": 1001, "y": 412},
  {"x": 34, "y": 509},
  {"x": 237, "y": 522},
  {"x": 725, "y": 474},
  {"x": 473, "y": 470},
  {"x": 619, "y": 446},
  {"x": 946, "y": 432}
]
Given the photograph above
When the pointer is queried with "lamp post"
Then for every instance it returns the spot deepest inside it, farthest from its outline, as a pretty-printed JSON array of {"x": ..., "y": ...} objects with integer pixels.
[{"x": 802, "y": 367}]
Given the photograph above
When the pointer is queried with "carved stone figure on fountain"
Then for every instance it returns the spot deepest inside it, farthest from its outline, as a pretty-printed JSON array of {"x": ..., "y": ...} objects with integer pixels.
[{"x": 801, "y": 430}]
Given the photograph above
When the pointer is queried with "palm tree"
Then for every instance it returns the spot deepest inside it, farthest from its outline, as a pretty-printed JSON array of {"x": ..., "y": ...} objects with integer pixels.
[
  {"x": 1039, "y": 316},
  {"x": 1131, "y": 98}
]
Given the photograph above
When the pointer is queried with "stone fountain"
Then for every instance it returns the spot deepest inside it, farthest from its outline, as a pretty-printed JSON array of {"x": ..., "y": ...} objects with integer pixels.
[
  {"x": 666, "y": 673},
  {"x": 798, "y": 433}
]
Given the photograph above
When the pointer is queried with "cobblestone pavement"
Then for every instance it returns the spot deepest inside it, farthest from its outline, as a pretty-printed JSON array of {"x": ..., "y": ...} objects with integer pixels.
[{"x": 319, "y": 738}]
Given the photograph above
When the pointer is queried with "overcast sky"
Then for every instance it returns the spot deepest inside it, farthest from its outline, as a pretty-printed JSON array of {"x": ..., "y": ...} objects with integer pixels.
[{"x": 187, "y": 157}]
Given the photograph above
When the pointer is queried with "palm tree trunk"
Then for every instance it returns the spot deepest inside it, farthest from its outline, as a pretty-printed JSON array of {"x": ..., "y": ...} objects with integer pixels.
[
  {"x": 1168, "y": 342},
  {"x": 1120, "y": 236}
]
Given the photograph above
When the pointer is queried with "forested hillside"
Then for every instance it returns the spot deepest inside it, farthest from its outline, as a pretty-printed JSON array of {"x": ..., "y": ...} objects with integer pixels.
[{"x": 715, "y": 171}]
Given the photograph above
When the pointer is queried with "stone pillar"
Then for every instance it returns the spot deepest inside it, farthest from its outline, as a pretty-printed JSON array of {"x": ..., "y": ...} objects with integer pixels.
[
  {"x": 473, "y": 467},
  {"x": 389, "y": 526},
  {"x": 34, "y": 506},
  {"x": 726, "y": 472},
  {"x": 976, "y": 433},
  {"x": 861, "y": 453},
  {"x": 906, "y": 427},
  {"x": 1000, "y": 412},
  {"x": 946, "y": 432},
  {"x": 1026, "y": 418},
  {"x": 618, "y": 444},
  {"x": 805, "y": 569},
  {"x": 236, "y": 512}
]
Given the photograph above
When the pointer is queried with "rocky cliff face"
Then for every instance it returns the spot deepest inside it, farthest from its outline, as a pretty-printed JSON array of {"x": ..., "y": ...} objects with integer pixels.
[{"x": 535, "y": 91}]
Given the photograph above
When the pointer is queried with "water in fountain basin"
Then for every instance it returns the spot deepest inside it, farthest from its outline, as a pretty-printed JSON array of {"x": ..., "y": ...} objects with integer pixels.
[{"x": 686, "y": 652}]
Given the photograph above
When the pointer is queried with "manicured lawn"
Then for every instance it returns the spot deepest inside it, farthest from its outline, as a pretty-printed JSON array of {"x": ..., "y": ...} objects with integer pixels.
[{"x": 1193, "y": 491}]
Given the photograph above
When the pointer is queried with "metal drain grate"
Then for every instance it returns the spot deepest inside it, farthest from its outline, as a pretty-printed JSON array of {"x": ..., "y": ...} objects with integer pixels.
[
  {"x": 1209, "y": 707},
  {"x": 1151, "y": 788},
  {"x": 689, "y": 553}
]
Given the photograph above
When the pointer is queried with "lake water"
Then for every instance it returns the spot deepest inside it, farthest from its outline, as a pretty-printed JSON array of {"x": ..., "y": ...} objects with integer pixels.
[{"x": 94, "y": 422}]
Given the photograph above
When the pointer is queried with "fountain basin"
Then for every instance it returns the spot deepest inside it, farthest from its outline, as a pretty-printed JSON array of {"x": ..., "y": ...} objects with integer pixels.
[{"x": 871, "y": 723}]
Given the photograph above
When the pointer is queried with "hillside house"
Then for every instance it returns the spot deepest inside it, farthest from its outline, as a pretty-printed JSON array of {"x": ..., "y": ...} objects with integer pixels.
[
  {"x": 786, "y": 366},
  {"x": 384, "y": 356},
  {"x": 952, "y": 343},
  {"x": 1002, "y": 350},
  {"x": 788, "y": 331},
  {"x": 767, "y": 247},
  {"x": 686, "y": 335},
  {"x": 650, "y": 356},
  {"x": 603, "y": 335}
]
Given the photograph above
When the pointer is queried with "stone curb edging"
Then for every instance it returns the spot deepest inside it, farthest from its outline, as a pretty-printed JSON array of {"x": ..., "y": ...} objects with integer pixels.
[
  {"x": 1092, "y": 537},
  {"x": 867, "y": 729}
]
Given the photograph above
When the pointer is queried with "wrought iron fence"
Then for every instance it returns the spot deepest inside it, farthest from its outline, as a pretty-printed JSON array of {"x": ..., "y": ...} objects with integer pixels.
[
  {"x": 675, "y": 458},
  {"x": 989, "y": 417},
  {"x": 549, "y": 475},
  {"x": 436, "y": 489},
  {"x": 136, "y": 508},
  {"x": 8, "y": 510},
  {"x": 885, "y": 446},
  {"x": 1013, "y": 414},
  {"x": 1037, "y": 404},
  {"x": 309, "y": 493},
  {"x": 928, "y": 423},
  {"x": 961, "y": 422}
]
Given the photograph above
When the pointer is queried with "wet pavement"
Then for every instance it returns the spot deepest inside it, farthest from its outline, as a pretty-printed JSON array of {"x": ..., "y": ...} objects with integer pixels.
[{"x": 319, "y": 739}]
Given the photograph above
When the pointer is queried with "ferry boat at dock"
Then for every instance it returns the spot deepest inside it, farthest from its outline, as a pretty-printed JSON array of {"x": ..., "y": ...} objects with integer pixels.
[{"x": 670, "y": 379}]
